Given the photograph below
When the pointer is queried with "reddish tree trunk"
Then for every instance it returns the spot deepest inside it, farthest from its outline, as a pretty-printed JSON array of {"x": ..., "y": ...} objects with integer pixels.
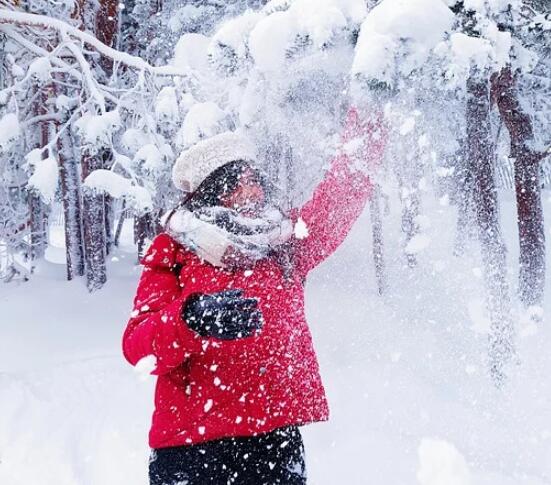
[
  {"x": 480, "y": 160},
  {"x": 107, "y": 22},
  {"x": 107, "y": 29},
  {"x": 527, "y": 189}
]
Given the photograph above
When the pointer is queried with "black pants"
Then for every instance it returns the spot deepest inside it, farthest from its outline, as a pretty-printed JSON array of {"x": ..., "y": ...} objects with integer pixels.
[{"x": 268, "y": 459}]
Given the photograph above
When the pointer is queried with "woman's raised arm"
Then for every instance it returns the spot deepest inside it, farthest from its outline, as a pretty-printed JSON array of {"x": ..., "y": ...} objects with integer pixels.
[{"x": 340, "y": 198}]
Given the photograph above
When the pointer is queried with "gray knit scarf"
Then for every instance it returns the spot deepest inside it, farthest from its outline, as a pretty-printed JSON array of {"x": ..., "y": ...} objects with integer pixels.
[{"x": 227, "y": 239}]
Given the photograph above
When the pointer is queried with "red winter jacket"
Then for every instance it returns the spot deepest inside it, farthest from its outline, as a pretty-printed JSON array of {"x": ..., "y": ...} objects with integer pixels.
[{"x": 208, "y": 388}]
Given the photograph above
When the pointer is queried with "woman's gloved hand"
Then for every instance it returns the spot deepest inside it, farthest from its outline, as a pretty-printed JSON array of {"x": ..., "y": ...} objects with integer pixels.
[{"x": 225, "y": 315}]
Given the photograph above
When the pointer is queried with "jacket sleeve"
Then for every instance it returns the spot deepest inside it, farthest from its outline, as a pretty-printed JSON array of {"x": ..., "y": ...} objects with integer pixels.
[
  {"x": 323, "y": 223},
  {"x": 155, "y": 327}
]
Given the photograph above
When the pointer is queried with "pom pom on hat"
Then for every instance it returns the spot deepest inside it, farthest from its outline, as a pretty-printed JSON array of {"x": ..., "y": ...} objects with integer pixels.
[{"x": 203, "y": 158}]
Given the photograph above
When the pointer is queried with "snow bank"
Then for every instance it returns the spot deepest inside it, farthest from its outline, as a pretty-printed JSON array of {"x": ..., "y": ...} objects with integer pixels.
[
  {"x": 397, "y": 36},
  {"x": 441, "y": 464},
  {"x": 84, "y": 424}
]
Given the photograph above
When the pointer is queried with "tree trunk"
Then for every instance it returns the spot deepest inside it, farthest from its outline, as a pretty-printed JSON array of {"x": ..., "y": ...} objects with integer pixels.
[
  {"x": 71, "y": 198},
  {"x": 109, "y": 213},
  {"x": 93, "y": 219},
  {"x": 120, "y": 224},
  {"x": 527, "y": 188},
  {"x": 409, "y": 172},
  {"x": 38, "y": 222},
  {"x": 480, "y": 159},
  {"x": 107, "y": 29},
  {"x": 38, "y": 214},
  {"x": 377, "y": 233},
  {"x": 461, "y": 192},
  {"x": 108, "y": 210},
  {"x": 411, "y": 205},
  {"x": 142, "y": 231}
]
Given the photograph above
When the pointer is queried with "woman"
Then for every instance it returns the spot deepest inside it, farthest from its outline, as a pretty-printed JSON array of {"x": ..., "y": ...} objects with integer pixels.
[{"x": 220, "y": 307}]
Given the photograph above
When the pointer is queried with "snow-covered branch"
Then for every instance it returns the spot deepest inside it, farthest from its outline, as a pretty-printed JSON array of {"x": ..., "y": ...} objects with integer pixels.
[
  {"x": 12, "y": 33},
  {"x": 88, "y": 77},
  {"x": 43, "y": 21}
]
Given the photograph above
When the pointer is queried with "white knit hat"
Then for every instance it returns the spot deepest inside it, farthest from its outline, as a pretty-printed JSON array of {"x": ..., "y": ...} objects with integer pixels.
[{"x": 203, "y": 158}]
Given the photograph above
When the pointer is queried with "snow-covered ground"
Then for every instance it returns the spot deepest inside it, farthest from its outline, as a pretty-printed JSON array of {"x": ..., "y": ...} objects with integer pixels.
[{"x": 405, "y": 373}]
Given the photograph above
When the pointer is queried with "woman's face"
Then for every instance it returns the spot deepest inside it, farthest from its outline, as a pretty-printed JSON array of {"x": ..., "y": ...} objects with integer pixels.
[{"x": 248, "y": 197}]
